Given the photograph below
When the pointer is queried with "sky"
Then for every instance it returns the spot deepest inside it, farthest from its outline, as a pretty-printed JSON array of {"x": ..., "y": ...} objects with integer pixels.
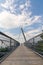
[{"x": 27, "y": 14}]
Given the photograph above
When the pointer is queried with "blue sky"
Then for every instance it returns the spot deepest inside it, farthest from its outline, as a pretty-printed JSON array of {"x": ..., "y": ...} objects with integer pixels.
[
  {"x": 37, "y": 7},
  {"x": 15, "y": 14}
]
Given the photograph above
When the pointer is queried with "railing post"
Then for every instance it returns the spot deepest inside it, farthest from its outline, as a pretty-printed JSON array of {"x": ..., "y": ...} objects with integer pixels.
[
  {"x": 10, "y": 43},
  {"x": 33, "y": 42},
  {"x": 1, "y": 43},
  {"x": 14, "y": 43}
]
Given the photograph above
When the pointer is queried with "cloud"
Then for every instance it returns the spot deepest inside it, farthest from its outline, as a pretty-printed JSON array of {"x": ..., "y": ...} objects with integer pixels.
[
  {"x": 13, "y": 5},
  {"x": 18, "y": 37},
  {"x": 7, "y": 3},
  {"x": 25, "y": 5},
  {"x": 22, "y": 6},
  {"x": 8, "y": 20},
  {"x": 32, "y": 33}
]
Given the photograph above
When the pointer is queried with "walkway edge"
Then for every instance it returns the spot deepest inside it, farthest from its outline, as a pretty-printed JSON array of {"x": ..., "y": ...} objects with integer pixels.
[{"x": 37, "y": 53}]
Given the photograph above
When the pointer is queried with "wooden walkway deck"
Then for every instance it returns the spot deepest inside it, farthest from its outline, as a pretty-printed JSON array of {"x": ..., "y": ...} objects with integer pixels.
[{"x": 23, "y": 56}]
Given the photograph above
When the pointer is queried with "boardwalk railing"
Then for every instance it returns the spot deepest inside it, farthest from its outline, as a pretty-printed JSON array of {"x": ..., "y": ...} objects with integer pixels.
[
  {"x": 7, "y": 45},
  {"x": 36, "y": 43}
]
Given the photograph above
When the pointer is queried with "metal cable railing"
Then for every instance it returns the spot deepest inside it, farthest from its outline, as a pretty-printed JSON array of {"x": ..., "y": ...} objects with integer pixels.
[
  {"x": 36, "y": 43},
  {"x": 7, "y": 45}
]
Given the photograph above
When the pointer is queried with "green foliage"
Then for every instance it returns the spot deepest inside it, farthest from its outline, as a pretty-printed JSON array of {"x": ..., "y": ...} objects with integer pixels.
[
  {"x": 39, "y": 47},
  {"x": 3, "y": 49},
  {"x": 42, "y": 36}
]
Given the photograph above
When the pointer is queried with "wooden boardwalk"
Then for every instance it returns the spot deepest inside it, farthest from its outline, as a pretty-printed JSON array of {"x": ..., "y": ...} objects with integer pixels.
[{"x": 23, "y": 56}]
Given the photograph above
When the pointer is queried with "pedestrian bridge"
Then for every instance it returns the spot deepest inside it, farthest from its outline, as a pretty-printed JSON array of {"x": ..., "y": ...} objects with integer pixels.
[{"x": 29, "y": 53}]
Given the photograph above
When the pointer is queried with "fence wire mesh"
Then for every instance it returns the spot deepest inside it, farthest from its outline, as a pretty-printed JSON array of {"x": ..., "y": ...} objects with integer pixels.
[
  {"x": 7, "y": 44},
  {"x": 36, "y": 43}
]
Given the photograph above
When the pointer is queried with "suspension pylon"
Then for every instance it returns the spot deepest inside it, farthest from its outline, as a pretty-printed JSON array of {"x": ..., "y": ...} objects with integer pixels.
[{"x": 23, "y": 34}]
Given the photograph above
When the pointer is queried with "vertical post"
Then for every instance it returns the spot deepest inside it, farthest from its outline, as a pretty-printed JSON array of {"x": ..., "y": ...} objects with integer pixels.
[
  {"x": 33, "y": 42},
  {"x": 1, "y": 43},
  {"x": 10, "y": 42},
  {"x": 14, "y": 43}
]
